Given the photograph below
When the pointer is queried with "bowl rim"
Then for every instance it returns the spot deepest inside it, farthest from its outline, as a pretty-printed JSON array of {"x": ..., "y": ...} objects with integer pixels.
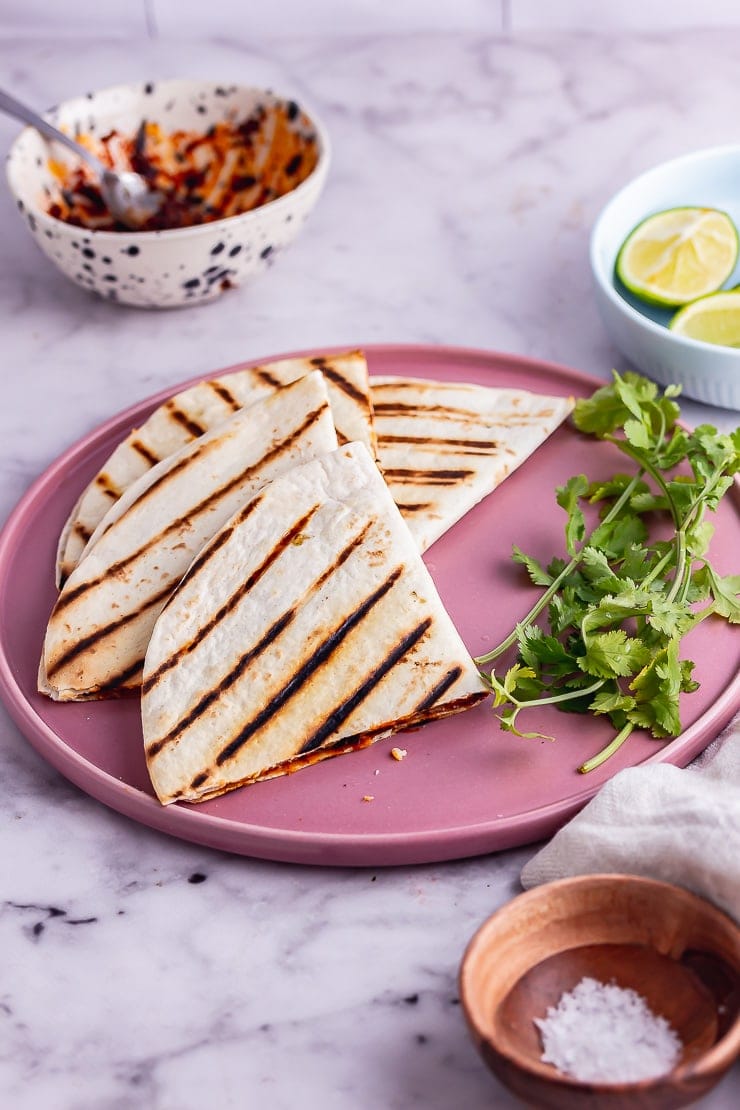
[
  {"x": 318, "y": 173},
  {"x": 599, "y": 270},
  {"x": 715, "y": 1060}
]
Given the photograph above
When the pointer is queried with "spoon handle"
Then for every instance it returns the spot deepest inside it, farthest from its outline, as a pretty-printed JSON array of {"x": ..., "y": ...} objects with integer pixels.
[{"x": 13, "y": 107}]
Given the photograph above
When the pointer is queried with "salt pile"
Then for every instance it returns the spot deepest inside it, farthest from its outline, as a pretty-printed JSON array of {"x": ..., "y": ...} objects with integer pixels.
[{"x": 602, "y": 1033}]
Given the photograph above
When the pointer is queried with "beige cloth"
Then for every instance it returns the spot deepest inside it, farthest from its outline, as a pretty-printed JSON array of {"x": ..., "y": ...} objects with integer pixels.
[{"x": 682, "y": 826}]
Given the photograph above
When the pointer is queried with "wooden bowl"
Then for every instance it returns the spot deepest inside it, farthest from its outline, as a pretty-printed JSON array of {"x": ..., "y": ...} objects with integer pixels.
[{"x": 676, "y": 950}]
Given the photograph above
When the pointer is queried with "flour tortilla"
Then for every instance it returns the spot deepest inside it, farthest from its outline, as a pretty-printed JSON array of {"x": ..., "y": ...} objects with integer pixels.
[
  {"x": 442, "y": 447},
  {"x": 308, "y": 627},
  {"x": 100, "y": 626},
  {"x": 194, "y": 411}
]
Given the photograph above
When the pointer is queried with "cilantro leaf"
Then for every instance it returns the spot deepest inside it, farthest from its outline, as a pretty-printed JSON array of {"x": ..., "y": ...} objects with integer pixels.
[
  {"x": 539, "y": 576},
  {"x": 568, "y": 499},
  {"x": 725, "y": 591},
  {"x": 538, "y": 650},
  {"x": 656, "y": 689},
  {"x": 610, "y": 700},
  {"x": 614, "y": 653}
]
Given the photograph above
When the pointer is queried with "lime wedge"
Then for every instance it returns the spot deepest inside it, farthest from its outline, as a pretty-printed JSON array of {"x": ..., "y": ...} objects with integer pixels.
[
  {"x": 712, "y": 319},
  {"x": 675, "y": 256}
]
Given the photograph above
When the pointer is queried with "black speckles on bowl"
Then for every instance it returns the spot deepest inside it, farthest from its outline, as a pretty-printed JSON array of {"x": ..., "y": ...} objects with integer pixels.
[{"x": 165, "y": 268}]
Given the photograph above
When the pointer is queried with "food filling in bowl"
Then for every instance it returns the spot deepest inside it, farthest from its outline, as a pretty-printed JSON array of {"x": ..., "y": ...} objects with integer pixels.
[{"x": 231, "y": 168}]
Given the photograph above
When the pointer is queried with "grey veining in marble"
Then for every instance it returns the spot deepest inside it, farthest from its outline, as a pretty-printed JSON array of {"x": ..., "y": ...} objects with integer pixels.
[{"x": 142, "y": 972}]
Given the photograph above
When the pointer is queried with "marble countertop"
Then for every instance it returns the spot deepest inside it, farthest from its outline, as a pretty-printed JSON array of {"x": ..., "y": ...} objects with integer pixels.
[{"x": 141, "y": 971}]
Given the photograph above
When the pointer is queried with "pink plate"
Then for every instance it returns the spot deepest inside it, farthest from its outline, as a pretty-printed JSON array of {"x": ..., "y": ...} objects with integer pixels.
[{"x": 465, "y": 787}]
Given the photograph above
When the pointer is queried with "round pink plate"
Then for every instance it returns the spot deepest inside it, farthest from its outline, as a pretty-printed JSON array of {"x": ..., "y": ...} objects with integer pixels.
[{"x": 465, "y": 787}]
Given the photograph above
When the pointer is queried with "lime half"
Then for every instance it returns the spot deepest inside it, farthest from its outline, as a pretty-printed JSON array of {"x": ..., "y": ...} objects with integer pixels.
[
  {"x": 675, "y": 256},
  {"x": 712, "y": 319}
]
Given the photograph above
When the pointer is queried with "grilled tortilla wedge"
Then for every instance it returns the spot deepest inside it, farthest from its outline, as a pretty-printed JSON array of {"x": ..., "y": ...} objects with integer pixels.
[
  {"x": 100, "y": 626},
  {"x": 308, "y": 627},
  {"x": 442, "y": 447},
  {"x": 194, "y": 411}
]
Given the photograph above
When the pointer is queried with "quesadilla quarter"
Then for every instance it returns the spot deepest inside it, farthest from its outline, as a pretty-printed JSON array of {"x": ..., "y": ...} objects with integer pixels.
[
  {"x": 309, "y": 626},
  {"x": 194, "y": 411},
  {"x": 442, "y": 447},
  {"x": 100, "y": 626}
]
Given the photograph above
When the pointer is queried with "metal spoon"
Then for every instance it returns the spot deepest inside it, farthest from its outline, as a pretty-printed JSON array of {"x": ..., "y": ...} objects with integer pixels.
[{"x": 127, "y": 195}]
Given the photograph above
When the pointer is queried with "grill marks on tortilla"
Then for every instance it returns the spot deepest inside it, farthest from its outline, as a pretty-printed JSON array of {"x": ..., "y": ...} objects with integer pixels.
[
  {"x": 222, "y": 537},
  {"x": 83, "y": 532},
  {"x": 344, "y": 746},
  {"x": 199, "y": 408},
  {"x": 342, "y": 383},
  {"x": 336, "y": 718},
  {"x": 232, "y": 602},
  {"x": 149, "y": 457},
  {"x": 223, "y": 393},
  {"x": 87, "y": 642},
  {"x": 224, "y": 685},
  {"x": 404, "y": 476},
  {"x": 439, "y": 689},
  {"x": 318, "y": 658},
  {"x": 441, "y": 446},
  {"x": 183, "y": 419},
  {"x": 70, "y": 596},
  {"x": 102, "y": 621},
  {"x": 347, "y": 707},
  {"x": 391, "y": 444},
  {"x": 417, "y": 409},
  {"x": 264, "y": 375},
  {"x": 361, "y": 400},
  {"x": 302, "y": 673},
  {"x": 107, "y": 487},
  {"x": 128, "y": 679}
]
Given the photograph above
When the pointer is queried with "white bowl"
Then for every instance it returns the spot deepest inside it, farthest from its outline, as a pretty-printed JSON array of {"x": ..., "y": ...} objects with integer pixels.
[
  {"x": 158, "y": 269},
  {"x": 707, "y": 372}
]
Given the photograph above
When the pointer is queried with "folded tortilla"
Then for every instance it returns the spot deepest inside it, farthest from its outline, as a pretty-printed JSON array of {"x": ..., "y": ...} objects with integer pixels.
[
  {"x": 194, "y": 411},
  {"x": 100, "y": 626},
  {"x": 308, "y": 627},
  {"x": 442, "y": 447}
]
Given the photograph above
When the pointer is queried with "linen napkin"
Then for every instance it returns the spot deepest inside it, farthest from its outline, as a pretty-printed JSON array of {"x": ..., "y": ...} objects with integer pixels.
[{"x": 682, "y": 826}]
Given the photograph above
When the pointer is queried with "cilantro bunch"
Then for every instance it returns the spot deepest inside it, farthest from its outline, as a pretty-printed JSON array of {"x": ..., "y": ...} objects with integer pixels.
[{"x": 614, "y": 613}]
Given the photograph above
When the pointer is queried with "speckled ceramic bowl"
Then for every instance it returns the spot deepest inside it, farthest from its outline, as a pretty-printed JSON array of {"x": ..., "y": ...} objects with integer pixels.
[{"x": 160, "y": 269}]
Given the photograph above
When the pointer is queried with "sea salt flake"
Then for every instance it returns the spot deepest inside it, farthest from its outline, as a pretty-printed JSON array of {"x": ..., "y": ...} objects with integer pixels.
[{"x": 603, "y": 1033}]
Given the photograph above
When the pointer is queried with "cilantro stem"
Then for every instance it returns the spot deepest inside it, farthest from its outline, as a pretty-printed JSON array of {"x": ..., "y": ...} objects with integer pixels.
[
  {"x": 568, "y": 695},
  {"x": 608, "y": 751},
  {"x": 678, "y": 577},
  {"x": 647, "y": 466},
  {"x": 658, "y": 568},
  {"x": 682, "y": 572},
  {"x": 556, "y": 583}
]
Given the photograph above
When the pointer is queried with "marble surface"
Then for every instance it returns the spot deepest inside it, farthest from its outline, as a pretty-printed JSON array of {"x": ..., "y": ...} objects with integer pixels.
[{"x": 139, "y": 971}]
